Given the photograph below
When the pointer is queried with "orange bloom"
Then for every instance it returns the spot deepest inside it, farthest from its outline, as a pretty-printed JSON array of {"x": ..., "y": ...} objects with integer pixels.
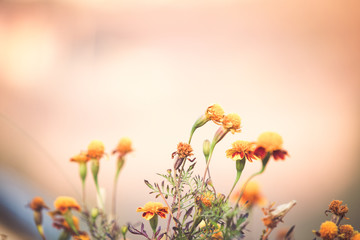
[
  {"x": 356, "y": 237},
  {"x": 347, "y": 231},
  {"x": 232, "y": 122},
  {"x": 80, "y": 158},
  {"x": 63, "y": 204},
  {"x": 96, "y": 149},
  {"x": 184, "y": 150},
  {"x": 37, "y": 204},
  {"x": 270, "y": 142},
  {"x": 82, "y": 236},
  {"x": 328, "y": 230},
  {"x": 336, "y": 208},
  {"x": 251, "y": 196},
  {"x": 241, "y": 149},
  {"x": 153, "y": 208},
  {"x": 206, "y": 198},
  {"x": 215, "y": 113},
  {"x": 124, "y": 146}
]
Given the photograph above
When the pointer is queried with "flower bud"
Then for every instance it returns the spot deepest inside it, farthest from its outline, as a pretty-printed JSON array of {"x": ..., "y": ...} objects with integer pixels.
[{"x": 206, "y": 148}]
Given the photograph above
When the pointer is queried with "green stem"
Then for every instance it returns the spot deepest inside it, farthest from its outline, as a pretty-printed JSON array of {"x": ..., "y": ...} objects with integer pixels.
[
  {"x": 264, "y": 163},
  {"x": 240, "y": 164},
  {"x": 95, "y": 165},
  {"x": 120, "y": 164}
]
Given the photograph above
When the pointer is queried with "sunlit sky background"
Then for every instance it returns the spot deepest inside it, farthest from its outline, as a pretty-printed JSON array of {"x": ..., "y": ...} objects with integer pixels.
[{"x": 74, "y": 71}]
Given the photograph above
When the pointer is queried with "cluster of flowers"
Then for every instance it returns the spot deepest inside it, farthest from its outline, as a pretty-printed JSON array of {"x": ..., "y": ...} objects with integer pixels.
[
  {"x": 196, "y": 211},
  {"x": 62, "y": 216},
  {"x": 333, "y": 230},
  {"x": 213, "y": 215}
]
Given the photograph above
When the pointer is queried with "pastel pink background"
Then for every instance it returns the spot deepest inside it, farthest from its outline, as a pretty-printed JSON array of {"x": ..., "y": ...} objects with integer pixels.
[{"x": 73, "y": 72}]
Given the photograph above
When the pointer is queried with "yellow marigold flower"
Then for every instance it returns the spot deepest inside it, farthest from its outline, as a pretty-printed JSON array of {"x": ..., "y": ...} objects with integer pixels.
[
  {"x": 37, "y": 204},
  {"x": 251, "y": 196},
  {"x": 96, "y": 149},
  {"x": 270, "y": 142},
  {"x": 232, "y": 122},
  {"x": 347, "y": 231},
  {"x": 356, "y": 237},
  {"x": 124, "y": 146},
  {"x": 328, "y": 230},
  {"x": 215, "y": 113},
  {"x": 153, "y": 208},
  {"x": 80, "y": 158},
  {"x": 241, "y": 149},
  {"x": 63, "y": 204}
]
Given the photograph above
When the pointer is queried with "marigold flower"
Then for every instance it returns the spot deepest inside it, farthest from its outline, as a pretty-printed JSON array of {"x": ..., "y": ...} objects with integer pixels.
[
  {"x": 232, "y": 122},
  {"x": 328, "y": 230},
  {"x": 336, "y": 208},
  {"x": 96, "y": 149},
  {"x": 63, "y": 204},
  {"x": 215, "y": 113},
  {"x": 241, "y": 149},
  {"x": 347, "y": 231},
  {"x": 124, "y": 146},
  {"x": 37, "y": 204},
  {"x": 80, "y": 158},
  {"x": 184, "y": 150},
  {"x": 216, "y": 236},
  {"x": 153, "y": 208},
  {"x": 82, "y": 236},
  {"x": 270, "y": 142},
  {"x": 356, "y": 237},
  {"x": 206, "y": 198},
  {"x": 251, "y": 196}
]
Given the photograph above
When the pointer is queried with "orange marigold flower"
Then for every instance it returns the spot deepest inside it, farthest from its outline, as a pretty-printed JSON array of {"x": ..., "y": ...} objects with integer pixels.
[
  {"x": 96, "y": 149},
  {"x": 215, "y": 113},
  {"x": 251, "y": 196},
  {"x": 356, "y": 237},
  {"x": 270, "y": 142},
  {"x": 232, "y": 122},
  {"x": 37, "y": 204},
  {"x": 80, "y": 158},
  {"x": 206, "y": 198},
  {"x": 82, "y": 236},
  {"x": 153, "y": 208},
  {"x": 328, "y": 230},
  {"x": 184, "y": 150},
  {"x": 124, "y": 146},
  {"x": 241, "y": 149},
  {"x": 347, "y": 231},
  {"x": 63, "y": 204}
]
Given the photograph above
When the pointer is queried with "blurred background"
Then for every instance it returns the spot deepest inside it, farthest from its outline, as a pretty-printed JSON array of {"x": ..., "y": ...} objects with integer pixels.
[{"x": 74, "y": 71}]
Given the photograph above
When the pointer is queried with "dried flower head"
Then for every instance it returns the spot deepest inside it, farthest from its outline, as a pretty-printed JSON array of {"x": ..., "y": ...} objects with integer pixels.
[
  {"x": 63, "y": 204},
  {"x": 215, "y": 113},
  {"x": 80, "y": 158},
  {"x": 337, "y": 208},
  {"x": 274, "y": 216},
  {"x": 232, "y": 122},
  {"x": 124, "y": 146},
  {"x": 346, "y": 231},
  {"x": 328, "y": 230},
  {"x": 270, "y": 142},
  {"x": 153, "y": 208},
  {"x": 251, "y": 196},
  {"x": 241, "y": 149},
  {"x": 96, "y": 149},
  {"x": 37, "y": 204}
]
